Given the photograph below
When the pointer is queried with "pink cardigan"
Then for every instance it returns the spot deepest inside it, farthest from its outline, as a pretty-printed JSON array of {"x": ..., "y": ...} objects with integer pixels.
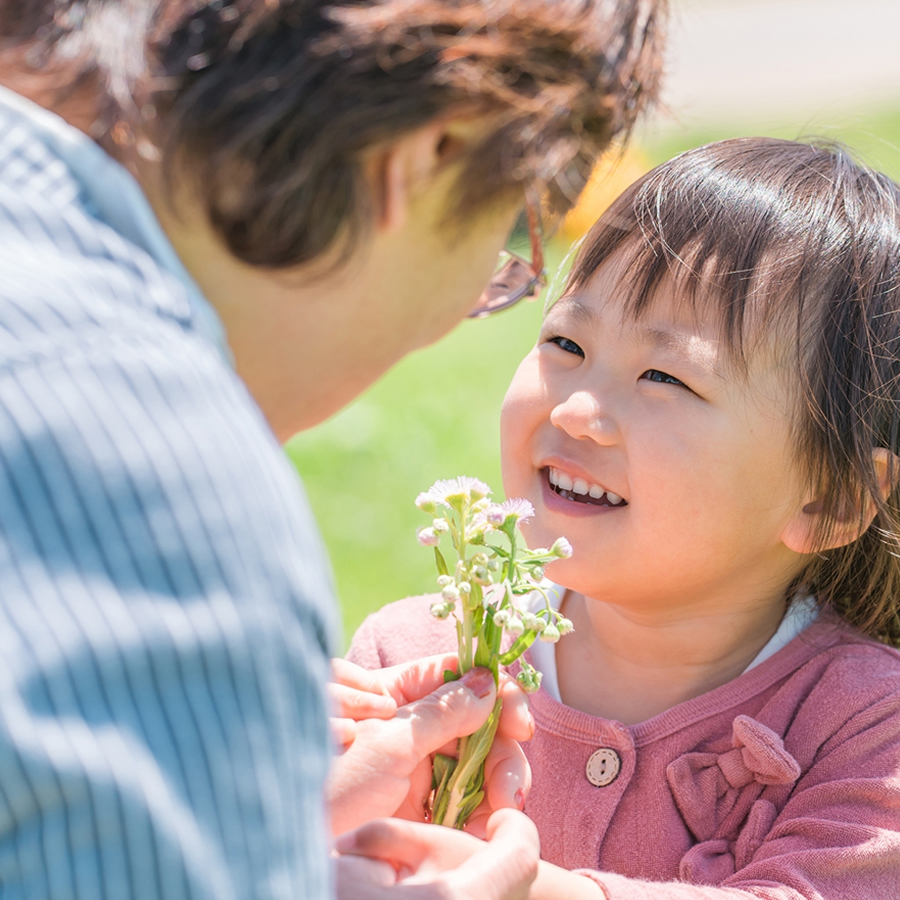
[{"x": 782, "y": 784}]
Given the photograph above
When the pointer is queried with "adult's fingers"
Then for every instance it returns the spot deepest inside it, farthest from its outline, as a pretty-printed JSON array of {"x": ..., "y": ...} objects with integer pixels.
[
  {"x": 413, "y": 680},
  {"x": 410, "y": 847},
  {"x": 343, "y": 731},
  {"x": 453, "y": 710},
  {"x": 502, "y": 868},
  {"x": 353, "y": 703}
]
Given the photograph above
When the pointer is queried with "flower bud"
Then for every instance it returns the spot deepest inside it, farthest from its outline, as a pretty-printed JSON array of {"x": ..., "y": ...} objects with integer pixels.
[
  {"x": 537, "y": 573},
  {"x": 493, "y": 565},
  {"x": 450, "y": 593},
  {"x": 444, "y": 580},
  {"x": 465, "y": 587},
  {"x": 440, "y": 525},
  {"x": 550, "y": 634},
  {"x": 515, "y": 626},
  {"x": 533, "y": 622},
  {"x": 502, "y": 618},
  {"x": 440, "y": 609},
  {"x": 495, "y": 516},
  {"x": 561, "y": 548},
  {"x": 427, "y": 537},
  {"x": 564, "y": 625},
  {"x": 529, "y": 679},
  {"x": 481, "y": 575},
  {"x": 480, "y": 559}
]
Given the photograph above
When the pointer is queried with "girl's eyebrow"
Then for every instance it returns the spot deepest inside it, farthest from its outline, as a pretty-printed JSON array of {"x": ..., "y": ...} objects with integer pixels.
[{"x": 688, "y": 349}]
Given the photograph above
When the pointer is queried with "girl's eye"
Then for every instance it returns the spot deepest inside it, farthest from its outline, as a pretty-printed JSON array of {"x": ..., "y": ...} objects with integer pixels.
[
  {"x": 565, "y": 344},
  {"x": 661, "y": 377}
]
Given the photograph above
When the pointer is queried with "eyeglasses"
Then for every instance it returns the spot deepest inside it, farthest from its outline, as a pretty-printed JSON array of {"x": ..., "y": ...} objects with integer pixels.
[{"x": 516, "y": 277}]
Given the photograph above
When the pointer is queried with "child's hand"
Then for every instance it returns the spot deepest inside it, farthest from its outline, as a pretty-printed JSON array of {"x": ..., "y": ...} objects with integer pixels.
[
  {"x": 389, "y": 859},
  {"x": 391, "y": 721}
]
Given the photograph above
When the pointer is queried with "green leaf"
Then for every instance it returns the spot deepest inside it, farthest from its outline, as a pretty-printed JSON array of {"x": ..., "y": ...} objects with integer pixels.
[
  {"x": 522, "y": 643},
  {"x": 441, "y": 562},
  {"x": 450, "y": 675}
]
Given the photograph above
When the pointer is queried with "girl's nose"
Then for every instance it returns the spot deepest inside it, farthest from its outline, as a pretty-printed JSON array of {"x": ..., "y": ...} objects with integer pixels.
[{"x": 581, "y": 415}]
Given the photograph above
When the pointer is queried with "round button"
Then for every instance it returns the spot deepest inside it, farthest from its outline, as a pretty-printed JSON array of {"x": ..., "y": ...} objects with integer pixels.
[{"x": 603, "y": 767}]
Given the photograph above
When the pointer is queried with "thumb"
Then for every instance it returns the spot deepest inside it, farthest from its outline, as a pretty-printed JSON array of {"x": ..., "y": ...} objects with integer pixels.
[{"x": 454, "y": 710}]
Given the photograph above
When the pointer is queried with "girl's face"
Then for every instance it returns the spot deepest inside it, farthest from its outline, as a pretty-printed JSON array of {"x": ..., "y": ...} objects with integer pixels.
[{"x": 672, "y": 475}]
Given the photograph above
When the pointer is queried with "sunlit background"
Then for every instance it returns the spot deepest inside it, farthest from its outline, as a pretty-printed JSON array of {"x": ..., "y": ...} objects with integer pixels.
[{"x": 786, "y": 68}]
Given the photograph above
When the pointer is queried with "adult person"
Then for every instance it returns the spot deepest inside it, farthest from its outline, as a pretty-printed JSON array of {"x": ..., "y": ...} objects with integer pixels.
[{"x": 219, "y": 221}]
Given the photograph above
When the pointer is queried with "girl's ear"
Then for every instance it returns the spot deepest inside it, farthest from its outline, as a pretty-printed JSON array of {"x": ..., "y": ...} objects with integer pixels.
[{"x": 802, "y": 534}]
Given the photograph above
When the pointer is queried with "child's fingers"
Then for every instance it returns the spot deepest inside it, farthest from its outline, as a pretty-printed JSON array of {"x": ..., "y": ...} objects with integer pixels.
[
  {"x": 507, "y": 775},
  {"x": 516, "y": 721},
  {"x": 354, "y": 703}
]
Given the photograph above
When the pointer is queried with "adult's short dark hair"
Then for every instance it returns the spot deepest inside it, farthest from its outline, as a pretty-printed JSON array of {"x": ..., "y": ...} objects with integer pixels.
[
  {"x": 270, "y": 104},
  {"x": 799, "y": 242}
]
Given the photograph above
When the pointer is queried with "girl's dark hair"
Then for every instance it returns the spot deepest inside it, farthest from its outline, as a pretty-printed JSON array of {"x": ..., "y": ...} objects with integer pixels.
[
  {"x": 271, "y": 104},
  {"x": 798, "y": 240}
]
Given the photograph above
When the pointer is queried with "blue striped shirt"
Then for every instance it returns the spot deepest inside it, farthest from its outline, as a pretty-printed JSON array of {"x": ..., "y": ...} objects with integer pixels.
[{"x": 165, "y": 613}]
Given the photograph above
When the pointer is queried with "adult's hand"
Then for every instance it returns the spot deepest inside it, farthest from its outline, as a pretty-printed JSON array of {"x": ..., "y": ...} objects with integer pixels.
[
  {"x": 392, "y": 721},
  {"x": 390, "y": 859}
]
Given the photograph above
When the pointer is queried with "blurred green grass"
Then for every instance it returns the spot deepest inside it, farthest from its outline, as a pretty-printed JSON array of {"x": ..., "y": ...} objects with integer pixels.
[{"x": 435, "y": 415}]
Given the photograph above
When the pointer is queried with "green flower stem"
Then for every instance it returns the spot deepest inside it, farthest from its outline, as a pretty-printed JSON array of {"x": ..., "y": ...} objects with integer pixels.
[{"x": 457, "y": 797}]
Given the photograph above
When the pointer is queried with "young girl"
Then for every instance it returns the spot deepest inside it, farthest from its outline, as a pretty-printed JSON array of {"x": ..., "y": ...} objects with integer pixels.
[{"x": 711, "y": 417}]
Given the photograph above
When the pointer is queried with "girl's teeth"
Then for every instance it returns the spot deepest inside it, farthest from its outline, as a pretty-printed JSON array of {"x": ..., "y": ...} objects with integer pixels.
[{"x": 564, "y": 482}]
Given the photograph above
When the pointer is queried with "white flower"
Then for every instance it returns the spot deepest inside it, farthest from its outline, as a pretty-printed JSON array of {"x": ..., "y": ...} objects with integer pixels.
[
  {"x": 532, "y": 622},
  {"x": 450, "y": 592},
  {"x": 444, "y": 580},
  {"x": 501, "y": 618},
  {"x": 465, "y": 587},
  {"x": 440, "y": 525},
  {"x": 550, "y": 634},
  {"x": 427, "y": 537},
  {"x": 564, "y": 625},
  {"x": 561, "y": 548}
]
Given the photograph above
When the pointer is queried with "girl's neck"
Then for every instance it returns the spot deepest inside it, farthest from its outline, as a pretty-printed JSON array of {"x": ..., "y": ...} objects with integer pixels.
[{"x": 630, "y": 668}]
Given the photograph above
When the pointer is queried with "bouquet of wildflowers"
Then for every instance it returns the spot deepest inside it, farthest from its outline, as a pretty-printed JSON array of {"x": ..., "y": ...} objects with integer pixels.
[{"x": 484, "y": 587}]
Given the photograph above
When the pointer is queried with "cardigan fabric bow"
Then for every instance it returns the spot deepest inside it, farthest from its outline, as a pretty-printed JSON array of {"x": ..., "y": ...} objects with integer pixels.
[{"x": 714, "y": 792}]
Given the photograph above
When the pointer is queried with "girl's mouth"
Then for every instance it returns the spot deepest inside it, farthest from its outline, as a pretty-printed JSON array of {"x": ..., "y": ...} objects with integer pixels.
[{"x": 581, "y": 491}]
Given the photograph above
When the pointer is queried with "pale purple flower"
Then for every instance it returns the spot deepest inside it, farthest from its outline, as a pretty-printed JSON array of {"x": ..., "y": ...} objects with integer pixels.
[
  {"x": 561, "y": 548},
  {"x": 517, "y": 508}
]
